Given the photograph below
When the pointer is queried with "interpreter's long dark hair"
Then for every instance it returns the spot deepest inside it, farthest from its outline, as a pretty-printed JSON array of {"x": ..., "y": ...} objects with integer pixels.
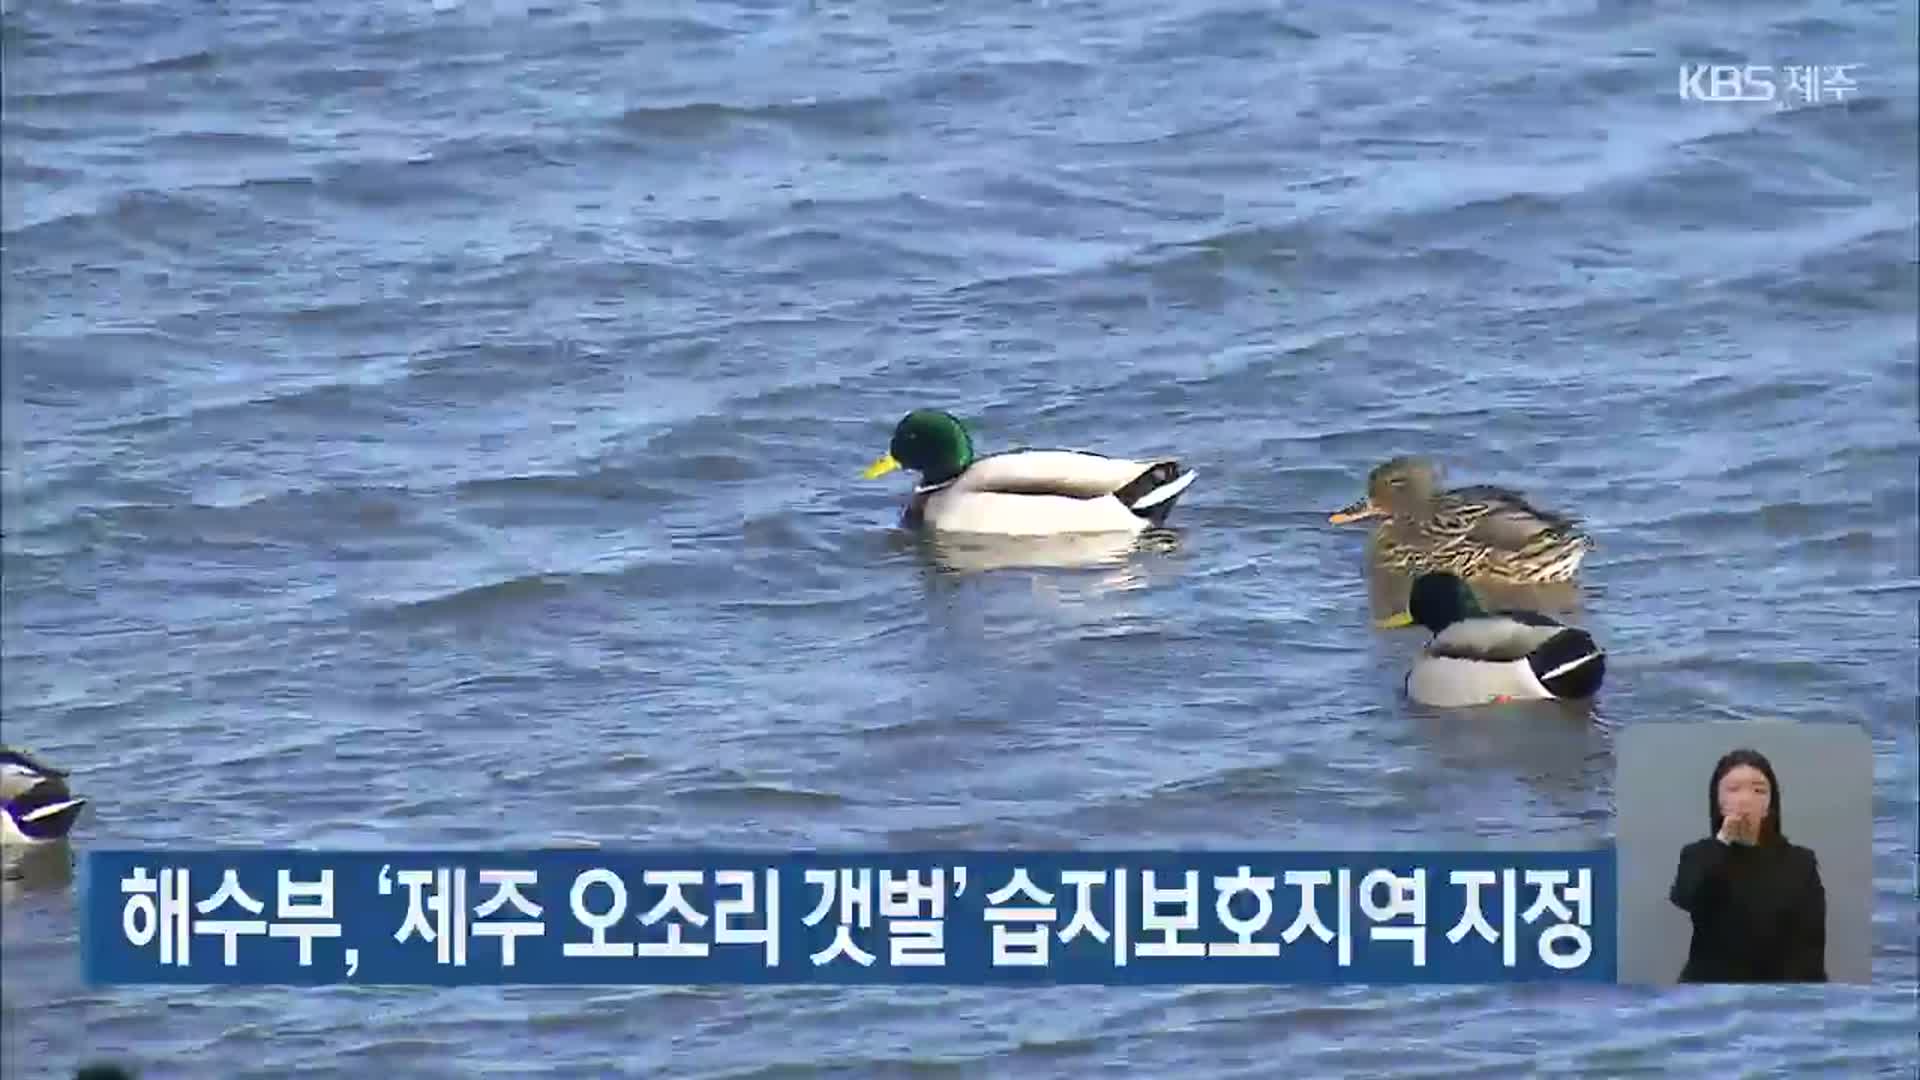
[{"x": 1772, "y": 829}]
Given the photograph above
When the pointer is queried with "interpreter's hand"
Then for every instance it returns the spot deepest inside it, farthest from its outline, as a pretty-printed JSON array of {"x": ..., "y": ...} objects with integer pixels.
[{"x": 1739, "y": 829}]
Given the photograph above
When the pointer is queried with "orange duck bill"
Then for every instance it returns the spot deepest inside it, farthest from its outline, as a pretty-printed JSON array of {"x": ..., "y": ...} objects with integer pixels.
[{"x": 1358, "y": 510}]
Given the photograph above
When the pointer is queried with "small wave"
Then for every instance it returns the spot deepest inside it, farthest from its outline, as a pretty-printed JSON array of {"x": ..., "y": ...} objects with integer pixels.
[
  {"x": 853, "y": 115},
  {"x": 1475, "y": 213},
  {"x": 682, "y": 28},
  {"x": 223, "y": 142},
  {"x": 1794, "y": 519},
  {"x": 194, "y": 60},
  {"x": 282, "y": 515},
  {"x": 607, "y": 483},
  {"x": 176, "y": 221},
  {"x": 1726, "y": 393},
  {"x": 18, "y": 131},
  {"x": 96, "y": 361},
  {"x": 859, "y": 1064},
  {"x": 758, "y": 796},
  {"x": 705, "y": 448},
  {"x": 991, "y": 81},
  {"x": 390, "y": 184},
  {"x": 623, "y": 763},
  {"x": 1040, "y": 1046},
  {"x": 1234, "y": 33},
  {"x": 808, "y": 253},
  {"x": 324, "y": 81},
  {"x": 1169, "y": 139},
  {"x": 92, "y": 103},
  {"x": 681, "y": 121},
  {"x": 19, "y": 169},
  {"x": 1225, "y": 785},
  {"x": 486, "y": 599},
  {"x": 1864, "y": 270},
  {"x": 714, "y": 467},
  {"x": 327, "y": 398},
  {"x": 487, "y": 684},
  {"x": 505, "y": 149}
]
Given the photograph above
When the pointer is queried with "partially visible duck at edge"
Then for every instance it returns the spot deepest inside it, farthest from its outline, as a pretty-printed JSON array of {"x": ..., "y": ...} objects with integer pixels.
[
  {"x": 36, "y": 806},
  {"x": 1479, "y": 657},
  {"x": 1023, "y": 492},
  {"x": 1478, "y": 532}
]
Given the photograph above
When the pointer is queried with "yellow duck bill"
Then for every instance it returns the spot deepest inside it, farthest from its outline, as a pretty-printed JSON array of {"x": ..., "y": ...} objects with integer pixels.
[
  {"x": 881, "y": 466},
  {"x": 1354, "y": 511}
]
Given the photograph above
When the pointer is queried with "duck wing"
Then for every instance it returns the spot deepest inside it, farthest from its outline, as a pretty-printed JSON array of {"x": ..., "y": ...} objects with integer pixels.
[
  {"x": 1501, "y": 638},
  {"x": 1501, "y": 518},
  {"x": 1071, "y": 473},
  {"x": 21, "y": 760},
  {"x": 20, "y": 773}
]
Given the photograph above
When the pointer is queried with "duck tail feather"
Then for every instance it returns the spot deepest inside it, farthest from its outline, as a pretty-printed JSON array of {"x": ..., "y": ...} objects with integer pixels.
[
  {"x": 53, "y": 810},
  {"x": 1570, "y": 665},
  {"x": 1153, "y": 493}
]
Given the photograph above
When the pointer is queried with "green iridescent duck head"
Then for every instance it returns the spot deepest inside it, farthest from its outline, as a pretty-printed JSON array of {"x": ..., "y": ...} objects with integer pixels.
[{"x": 933, "y": 443}]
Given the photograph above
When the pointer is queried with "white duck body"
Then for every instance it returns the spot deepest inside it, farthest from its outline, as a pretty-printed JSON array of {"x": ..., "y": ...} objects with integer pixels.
[
  {"x": 1518, "y": 656},
  {"x": 1050, "y": 492},
  {"x": 36, "y": 806}
]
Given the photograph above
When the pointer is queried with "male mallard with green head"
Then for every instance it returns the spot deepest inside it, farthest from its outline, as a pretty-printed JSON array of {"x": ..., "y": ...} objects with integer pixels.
[
  {"x": 1481, "y": 531},
  {"x": 1481, "y": 657},
  {"x": 1023, "y": 492}
]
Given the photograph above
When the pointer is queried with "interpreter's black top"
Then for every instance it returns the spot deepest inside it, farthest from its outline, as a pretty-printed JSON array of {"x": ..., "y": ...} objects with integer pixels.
[{"x": 1759, "y": 912}]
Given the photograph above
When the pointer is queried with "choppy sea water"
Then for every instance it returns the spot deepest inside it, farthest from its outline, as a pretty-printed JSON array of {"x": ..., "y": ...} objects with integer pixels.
[{"x": 440, "y": 424}]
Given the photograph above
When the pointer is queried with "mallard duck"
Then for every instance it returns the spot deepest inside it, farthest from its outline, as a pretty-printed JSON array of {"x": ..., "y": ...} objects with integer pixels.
[
  {"x": 1023, "y": 492},
  {"x": 1479, "y": 531},
  {"x": 1479, "y": 657},
  {"x": 35, "y": 805}
]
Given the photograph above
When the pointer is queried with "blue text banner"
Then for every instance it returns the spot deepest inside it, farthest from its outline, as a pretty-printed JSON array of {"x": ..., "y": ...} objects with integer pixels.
[{"x": 617, "y": 917}]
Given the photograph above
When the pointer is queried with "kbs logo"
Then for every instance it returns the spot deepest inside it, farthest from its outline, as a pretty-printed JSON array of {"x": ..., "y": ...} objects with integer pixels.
[
  {"x": 1802, "y": 83},
  {"x": 1727, "y": 82}
]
